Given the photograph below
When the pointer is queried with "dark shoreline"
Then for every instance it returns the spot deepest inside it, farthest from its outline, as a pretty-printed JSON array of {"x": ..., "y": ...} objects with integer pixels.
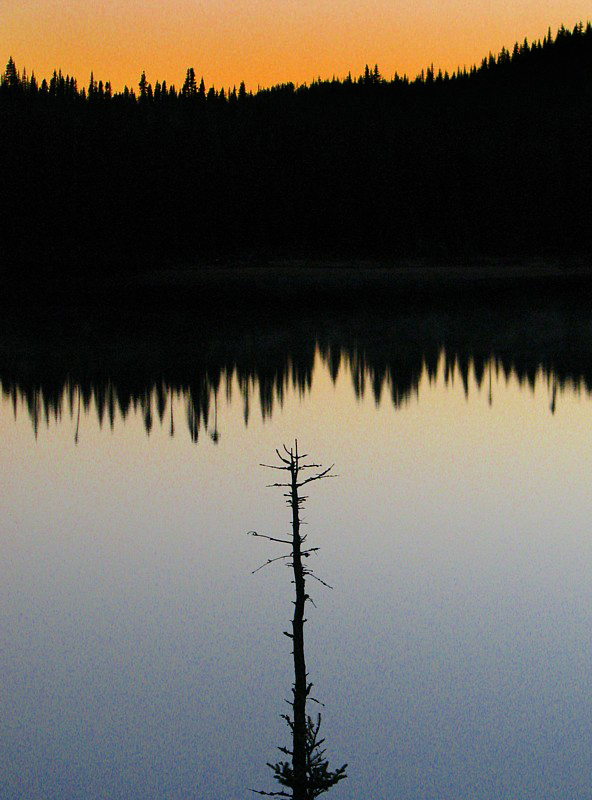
[{"x": 230, "y": 284}]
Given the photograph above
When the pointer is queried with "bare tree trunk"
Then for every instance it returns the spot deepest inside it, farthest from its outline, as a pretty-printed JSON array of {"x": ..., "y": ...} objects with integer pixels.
[
  {"x": 308, "y": 775},
  {"x": 300, "y": 688}
]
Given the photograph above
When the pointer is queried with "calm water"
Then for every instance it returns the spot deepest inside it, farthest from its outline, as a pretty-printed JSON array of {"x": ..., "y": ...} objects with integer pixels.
[{"x": 139, "y": 656}]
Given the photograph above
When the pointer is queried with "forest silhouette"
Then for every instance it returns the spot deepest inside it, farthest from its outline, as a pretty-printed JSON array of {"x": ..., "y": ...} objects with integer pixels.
[{"x": 494, "y": 160}]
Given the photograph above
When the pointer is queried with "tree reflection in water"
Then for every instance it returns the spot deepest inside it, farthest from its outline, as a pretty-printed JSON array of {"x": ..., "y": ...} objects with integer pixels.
[{"x": 115, "y": 372}]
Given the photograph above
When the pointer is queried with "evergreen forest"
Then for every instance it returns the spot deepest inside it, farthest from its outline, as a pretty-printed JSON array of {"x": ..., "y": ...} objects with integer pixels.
[{"x": 494, "y": 161}]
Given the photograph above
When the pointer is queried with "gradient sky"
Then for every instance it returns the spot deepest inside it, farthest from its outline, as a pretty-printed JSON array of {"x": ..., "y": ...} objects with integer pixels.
[{"x": 264, "y": 42}]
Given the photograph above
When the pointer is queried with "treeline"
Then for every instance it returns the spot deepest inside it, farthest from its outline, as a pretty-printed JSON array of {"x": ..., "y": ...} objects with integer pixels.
[{"x": 492, "y": 160}]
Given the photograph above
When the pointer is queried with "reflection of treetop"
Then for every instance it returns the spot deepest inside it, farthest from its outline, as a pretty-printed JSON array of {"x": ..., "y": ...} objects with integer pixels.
[
  {"x": 183, "y": 388},
  {"x": 307, "y": 774}
]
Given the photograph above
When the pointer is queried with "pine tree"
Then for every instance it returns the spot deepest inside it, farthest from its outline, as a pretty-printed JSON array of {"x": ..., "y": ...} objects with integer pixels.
[
  {"x": 92, "y": 87},
  {"x": 189, "y": 88},
  {"x": 145, "y": 88},
  {"x": 11, "y": 76},
  {"x": 306, "y": 775}
]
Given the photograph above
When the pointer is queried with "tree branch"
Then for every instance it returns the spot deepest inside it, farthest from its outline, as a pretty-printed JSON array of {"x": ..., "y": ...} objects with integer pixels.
[
  {"x": 323, "y": 474},
  {"x": 270, "y": 538},
  {"x": 312, "y": 575},
  {"x": 270, "y": 561}
]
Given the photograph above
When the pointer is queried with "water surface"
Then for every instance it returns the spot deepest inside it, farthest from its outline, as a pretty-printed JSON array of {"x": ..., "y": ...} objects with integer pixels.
[{"x": 140, "y": 658}]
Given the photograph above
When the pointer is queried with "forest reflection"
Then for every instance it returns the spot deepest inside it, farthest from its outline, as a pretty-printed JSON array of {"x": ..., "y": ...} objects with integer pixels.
[{"x": 152, "y": 372}]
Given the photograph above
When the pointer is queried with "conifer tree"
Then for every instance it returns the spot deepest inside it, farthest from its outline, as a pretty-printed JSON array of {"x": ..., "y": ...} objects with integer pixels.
[
  {"x": 11, "y": 75},
  {"x": 144, "y": 87},
  {"x": 306, "y": 775},
  {"x": 189, "y": 88}
]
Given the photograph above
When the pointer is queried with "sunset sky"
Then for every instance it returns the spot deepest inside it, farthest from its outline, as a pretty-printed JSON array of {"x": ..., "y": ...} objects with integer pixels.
[{"x": 264, "y": 42}]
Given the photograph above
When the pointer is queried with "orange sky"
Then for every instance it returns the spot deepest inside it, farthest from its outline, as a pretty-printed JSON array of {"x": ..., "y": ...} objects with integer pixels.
[{"x": 264, "y": 42}]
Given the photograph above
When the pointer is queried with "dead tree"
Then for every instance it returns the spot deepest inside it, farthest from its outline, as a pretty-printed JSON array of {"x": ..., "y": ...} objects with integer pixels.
[{"x": 308, "y": 774}]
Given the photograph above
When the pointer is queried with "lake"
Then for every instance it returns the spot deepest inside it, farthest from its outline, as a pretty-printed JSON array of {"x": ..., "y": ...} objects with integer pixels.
[{"x": 140, "y": 656}]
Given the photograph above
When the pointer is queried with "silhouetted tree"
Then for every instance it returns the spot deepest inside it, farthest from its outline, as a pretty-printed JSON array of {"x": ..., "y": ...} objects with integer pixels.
[
  {"x": 307, "y": 774},
  {"x": 11, "y": 76},
  {"x": 145, "y": 88},
  {"x": 189, "y": 88}
]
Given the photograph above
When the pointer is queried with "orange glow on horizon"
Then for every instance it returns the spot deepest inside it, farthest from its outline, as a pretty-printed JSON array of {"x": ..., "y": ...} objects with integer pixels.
[{"x": 264, "y": 42}]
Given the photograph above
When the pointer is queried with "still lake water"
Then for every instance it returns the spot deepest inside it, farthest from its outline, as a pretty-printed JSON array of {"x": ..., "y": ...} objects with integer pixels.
[{"x": 139, "y": 656}]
